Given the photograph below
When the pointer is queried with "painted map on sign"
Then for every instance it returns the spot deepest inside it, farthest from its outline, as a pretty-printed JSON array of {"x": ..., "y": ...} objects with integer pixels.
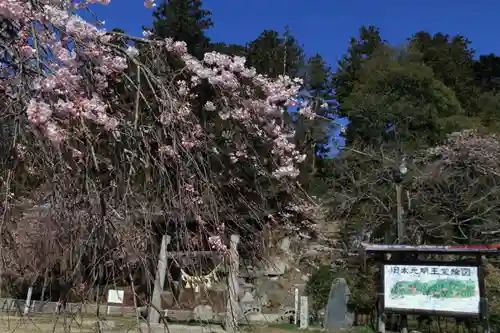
[{"x": 443, "y": 288}]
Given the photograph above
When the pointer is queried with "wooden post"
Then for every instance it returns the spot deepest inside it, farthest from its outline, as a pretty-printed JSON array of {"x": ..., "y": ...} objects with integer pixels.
[
  {"x": 380, "y": 316},
  {"x": 161, "y": 269},
  {"x": 483, "y": 306},
  {"x": 404, "y": 323},
  {"x": 380, "y": 296},
  {"x": 231, "y": 321}
]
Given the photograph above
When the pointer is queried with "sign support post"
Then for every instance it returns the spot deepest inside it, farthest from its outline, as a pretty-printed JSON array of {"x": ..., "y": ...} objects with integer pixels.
[{"x": 484, "y": 300}]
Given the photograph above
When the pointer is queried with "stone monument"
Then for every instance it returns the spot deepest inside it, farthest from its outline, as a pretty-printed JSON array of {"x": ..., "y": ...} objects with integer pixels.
[{"x": 337, "y": 314}]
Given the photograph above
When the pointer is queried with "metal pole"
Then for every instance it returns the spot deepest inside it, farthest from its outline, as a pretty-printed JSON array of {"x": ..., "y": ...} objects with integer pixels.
[
  {"x": 400, "y": 239},
  {"x": 296, "y": 316},
  {"x": 399, "y": 219}
]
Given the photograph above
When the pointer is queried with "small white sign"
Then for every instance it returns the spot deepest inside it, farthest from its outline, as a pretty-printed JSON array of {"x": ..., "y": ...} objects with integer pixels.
[
  {"x": 432, "y": 288},
  {"x": 115, "y": 296}
]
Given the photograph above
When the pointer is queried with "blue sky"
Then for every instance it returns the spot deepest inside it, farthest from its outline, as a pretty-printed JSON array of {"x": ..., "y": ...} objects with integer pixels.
[{"x": 325, "y": 26}]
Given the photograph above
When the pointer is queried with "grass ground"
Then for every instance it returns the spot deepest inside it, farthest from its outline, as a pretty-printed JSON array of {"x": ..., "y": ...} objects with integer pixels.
[
  {"x": 71, "y": 324},
  {"x": 56, "y": 324},
  {"x": 287, "y": 328}
]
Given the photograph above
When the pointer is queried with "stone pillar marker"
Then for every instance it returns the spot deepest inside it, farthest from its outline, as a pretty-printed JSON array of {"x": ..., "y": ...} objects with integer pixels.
[
  {"x": 304, "y": 312},
  {"x": 161, "y": 269},
  {"x": 28, "y": 301},
  {"x": 231, "y": 319}
]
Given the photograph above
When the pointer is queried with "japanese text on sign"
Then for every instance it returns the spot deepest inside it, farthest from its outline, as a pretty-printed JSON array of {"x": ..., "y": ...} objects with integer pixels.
[{"x": 430, "y": 270}]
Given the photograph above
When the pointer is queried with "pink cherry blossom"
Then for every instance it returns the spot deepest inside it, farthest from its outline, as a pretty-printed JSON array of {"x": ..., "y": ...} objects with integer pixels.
[{"x": 71, "y": 97}]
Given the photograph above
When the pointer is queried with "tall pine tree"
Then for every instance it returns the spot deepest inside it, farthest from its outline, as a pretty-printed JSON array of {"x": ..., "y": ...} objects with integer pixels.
[
  {"x": 451, "y": 59},
  {"x": 274, "y": 54},
  {"x": 184, "y": 20},
  {"x": 314, "y": 135},
  {"x": 360, "y": 49}
]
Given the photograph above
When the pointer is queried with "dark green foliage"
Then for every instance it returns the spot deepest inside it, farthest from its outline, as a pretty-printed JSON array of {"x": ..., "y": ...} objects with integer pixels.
[
  {"x": 232, "y": 49},
  {"x": 274, "y": 54},
  {"x": 451, "y": 60},
  {"x": 363, "y": 290},
  {"x": 319, "y": 85},
  {"x": 397, "y": 99},
  {"x": 359, "y": 50},
  {"x": 454, "y": 72},
  {"x": 489, "y": 105},
  {"x": 487, "y": 73},
  {"x": 492, "y": 284},
  {"x": 318, "y": 286},
  {"x": 362, "y": 286},
  {"x": 184, "y": 20},
  {"x": 313, "y": 135}
]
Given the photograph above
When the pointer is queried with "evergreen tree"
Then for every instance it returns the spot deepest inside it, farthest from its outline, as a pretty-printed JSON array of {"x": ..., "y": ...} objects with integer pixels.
[
  {"x": 451, "y": 59},
  {"x": 398, "y": 101},
  {"x": 184, "y": 20},
  {"x": 274, "y": 54},
  {"x": 487, "y": 73},
  {"x": 360, "y": 49},
  {"x": 230, "y": 49},
  {"x": 314, "y": 135}
]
